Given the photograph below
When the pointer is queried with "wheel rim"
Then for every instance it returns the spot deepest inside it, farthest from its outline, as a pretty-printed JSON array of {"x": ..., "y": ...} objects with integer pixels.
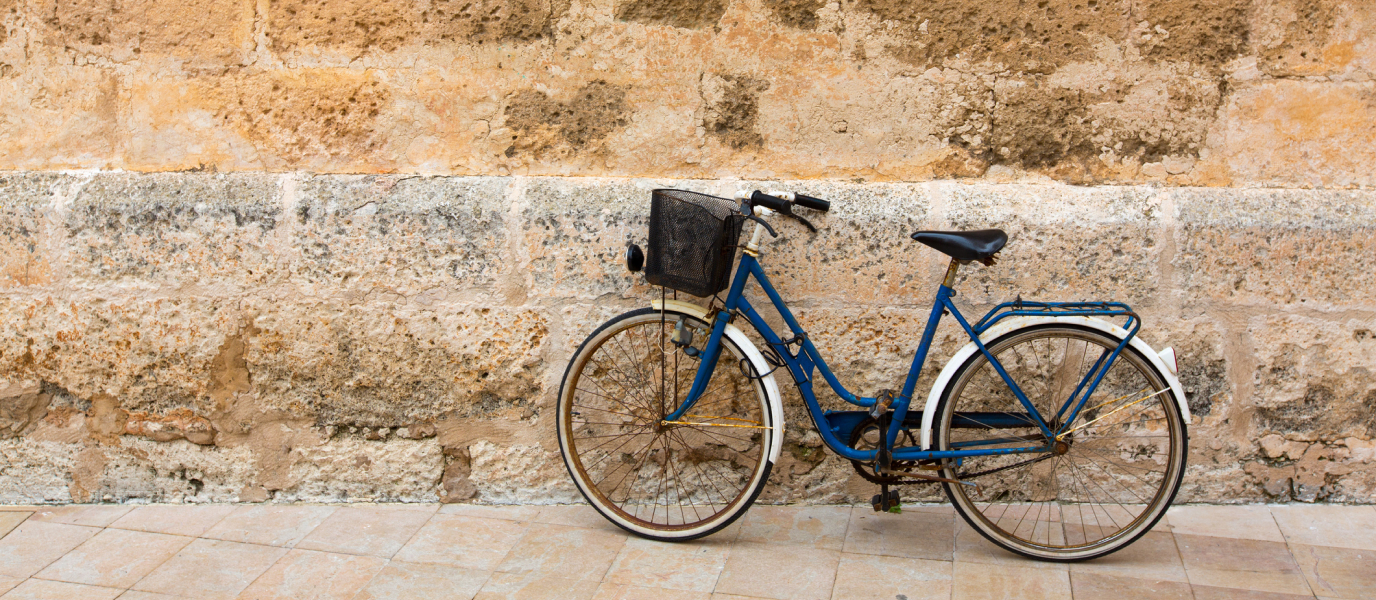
[
  {"x": 674, "y": 478},
  {"x": 1114, "y": 470}
]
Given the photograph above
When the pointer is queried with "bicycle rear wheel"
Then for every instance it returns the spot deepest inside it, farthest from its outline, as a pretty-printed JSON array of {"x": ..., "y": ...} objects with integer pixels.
[
  {"x": 666, "y": 482},
  {"x": 1111, "y": 476}
]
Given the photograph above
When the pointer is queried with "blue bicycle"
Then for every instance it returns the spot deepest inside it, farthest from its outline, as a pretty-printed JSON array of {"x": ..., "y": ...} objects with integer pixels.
[{"x": 1057, "y": 433}]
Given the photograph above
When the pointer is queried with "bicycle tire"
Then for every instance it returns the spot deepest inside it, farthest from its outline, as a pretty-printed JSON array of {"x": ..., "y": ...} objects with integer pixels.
[
  {"x": 1143, "y": 429},
  {"x": 709, "y": 473}
]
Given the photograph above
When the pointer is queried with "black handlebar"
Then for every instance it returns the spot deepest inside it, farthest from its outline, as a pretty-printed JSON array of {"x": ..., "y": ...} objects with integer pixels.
[
  {"x": 772, "y": 203},
  {"x": 776, "y": 203},
  {"x": 816, "y": 204}
]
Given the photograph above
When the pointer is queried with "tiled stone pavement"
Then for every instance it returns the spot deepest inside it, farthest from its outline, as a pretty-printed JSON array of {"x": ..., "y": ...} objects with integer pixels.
[{"x": 301, "y": 552}]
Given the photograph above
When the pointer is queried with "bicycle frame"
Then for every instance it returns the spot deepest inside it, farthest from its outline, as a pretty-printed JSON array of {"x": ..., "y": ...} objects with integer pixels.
[{"x": 807, "y": 358}]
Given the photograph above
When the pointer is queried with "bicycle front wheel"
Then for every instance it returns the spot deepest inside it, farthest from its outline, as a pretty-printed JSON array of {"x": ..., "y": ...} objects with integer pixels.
[
  {"x": 1112, "y": 473},
  {"x": 669, "y": 482}
]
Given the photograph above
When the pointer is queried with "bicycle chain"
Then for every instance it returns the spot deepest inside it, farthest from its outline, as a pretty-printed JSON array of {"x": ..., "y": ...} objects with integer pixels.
[
  {"x": 964, "y": 476},
  {"x": 866, "y": 471}
]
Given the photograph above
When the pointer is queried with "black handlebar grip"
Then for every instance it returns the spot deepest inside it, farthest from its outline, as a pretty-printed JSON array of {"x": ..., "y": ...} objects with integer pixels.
[
  {"x": 762, "y": 199},
  {"x": 817, "y": 204}
]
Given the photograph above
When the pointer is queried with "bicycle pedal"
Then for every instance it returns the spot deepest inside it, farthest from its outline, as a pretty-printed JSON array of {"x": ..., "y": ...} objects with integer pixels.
[
  {"x": 886, "y": 501},
  {"x": 881, "y": 403}
]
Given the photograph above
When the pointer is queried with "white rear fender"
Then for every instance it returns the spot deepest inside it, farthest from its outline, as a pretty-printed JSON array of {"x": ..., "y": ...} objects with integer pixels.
[
  {"x": 1007, "y": 325},
  {"x": 738, "y": 337}
]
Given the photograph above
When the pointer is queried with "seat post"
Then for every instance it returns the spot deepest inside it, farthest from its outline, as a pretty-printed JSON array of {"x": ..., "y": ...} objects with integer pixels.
[{"x": 950, "y": 280}]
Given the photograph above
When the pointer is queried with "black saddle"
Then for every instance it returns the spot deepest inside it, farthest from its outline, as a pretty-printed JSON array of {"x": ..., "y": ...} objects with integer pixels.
[{"x": 965, "y": 245}]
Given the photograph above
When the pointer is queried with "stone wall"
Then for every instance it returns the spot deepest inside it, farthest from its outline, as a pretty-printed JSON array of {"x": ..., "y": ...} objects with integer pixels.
[
  {"x": 355, "y": 337},
  {"x": 1184, "y": 92},
  {"x": 303, "y": 250}
]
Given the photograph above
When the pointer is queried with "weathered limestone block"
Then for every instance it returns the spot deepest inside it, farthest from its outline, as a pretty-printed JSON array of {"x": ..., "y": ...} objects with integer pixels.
[
  {"x": 439, "y": 236},
  {"x": 1218, "y": 481},
  {"x": 571, "y": 324},
  {"x": 1306, "y": 472},
  {"x": 1064, "y": 243},
  {"x": 60, "y": 117},
  {"x": 350, "y": 469},
  {"x": 1315, "y": 37},
  {"x": 176, "y": 230},
  {"x": 176, "y": 425},
  {"x": 402, "y": 338},
  {"x": 1315, "y": 397},
  {"x": 1168, "y": 91},
  {"x": 25, "y": 200},
  {"x": 35, "y": 472},
  {"x": 574, "y": 235},
  {"x": 686, "y": 15},
  {"x": 149, "y": 354},
  {"x": 385, "y": 364},
  {"x": 139, "y": 469},
  {"x": 1315, "y": 379},
  {"x": 343, "y": 31},
  {"x": 178, "y": 123},
  {"x": 64, "y": 421},
  {"x": 329, "y": 120},
  {"x": 851, "y": 123},
  {"x": 546, "y": 127},
  {"x": 202, "y": 33},
  {"x": 1265, "y": 247},
  {"x": 1202, "y": 33},
  {"x": 22, "y": 404},
  {"x": 1301, "y": 133},
  {"x": 1016, "y": 37},
  {"x": 519, "y": 474},
  {"x": 13, "y": 39},
  {"x": 1116, "y": 118}
]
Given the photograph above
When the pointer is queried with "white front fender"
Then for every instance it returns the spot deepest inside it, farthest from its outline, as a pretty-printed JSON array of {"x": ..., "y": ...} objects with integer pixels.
[
  {"x": 738, "y": 337},
  {"x": 1007, "y": 325}
]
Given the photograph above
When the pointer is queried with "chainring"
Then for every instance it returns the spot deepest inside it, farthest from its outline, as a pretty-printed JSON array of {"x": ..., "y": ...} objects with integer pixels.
[{"x": 866, "y": 470}]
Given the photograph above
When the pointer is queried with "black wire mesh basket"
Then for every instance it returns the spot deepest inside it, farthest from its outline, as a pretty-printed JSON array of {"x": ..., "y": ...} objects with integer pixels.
[{"x": 693, "y": 241}]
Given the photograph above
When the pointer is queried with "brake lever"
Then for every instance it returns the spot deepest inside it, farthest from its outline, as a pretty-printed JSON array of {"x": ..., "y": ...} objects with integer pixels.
[
  {"x": 766, "y": 225},
  {"x": 800, "y": 219}
]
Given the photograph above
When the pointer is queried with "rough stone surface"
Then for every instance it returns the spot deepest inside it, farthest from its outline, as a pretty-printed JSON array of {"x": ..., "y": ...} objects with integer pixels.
[
  {"x": 36, "y": 471},
  {"x": 1267, "y": 247},
  {"x": 403, "y": 235},
  {"x": 677, "y": 13},
  {"x": 22, "y": 404},
  {"x": 385, "y": 364},
  {"x": 1313, "y": 37},
  {"x": 1299, "y": 133},
  {"x": 1315, "y": 415},
  {"x": 190, "y": 337},
  {"x": 314, "y": 29},
  {"x": 354, "y": 469},
  {"x": 1177, "y": 92},
  {"x": 544, "y": 125},
  {"x": 27, "y": 199},
  {"x": 1084, "y": 245},
  {"x": 202, "y": 33},
  {"x": 166, "y": 230}
]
